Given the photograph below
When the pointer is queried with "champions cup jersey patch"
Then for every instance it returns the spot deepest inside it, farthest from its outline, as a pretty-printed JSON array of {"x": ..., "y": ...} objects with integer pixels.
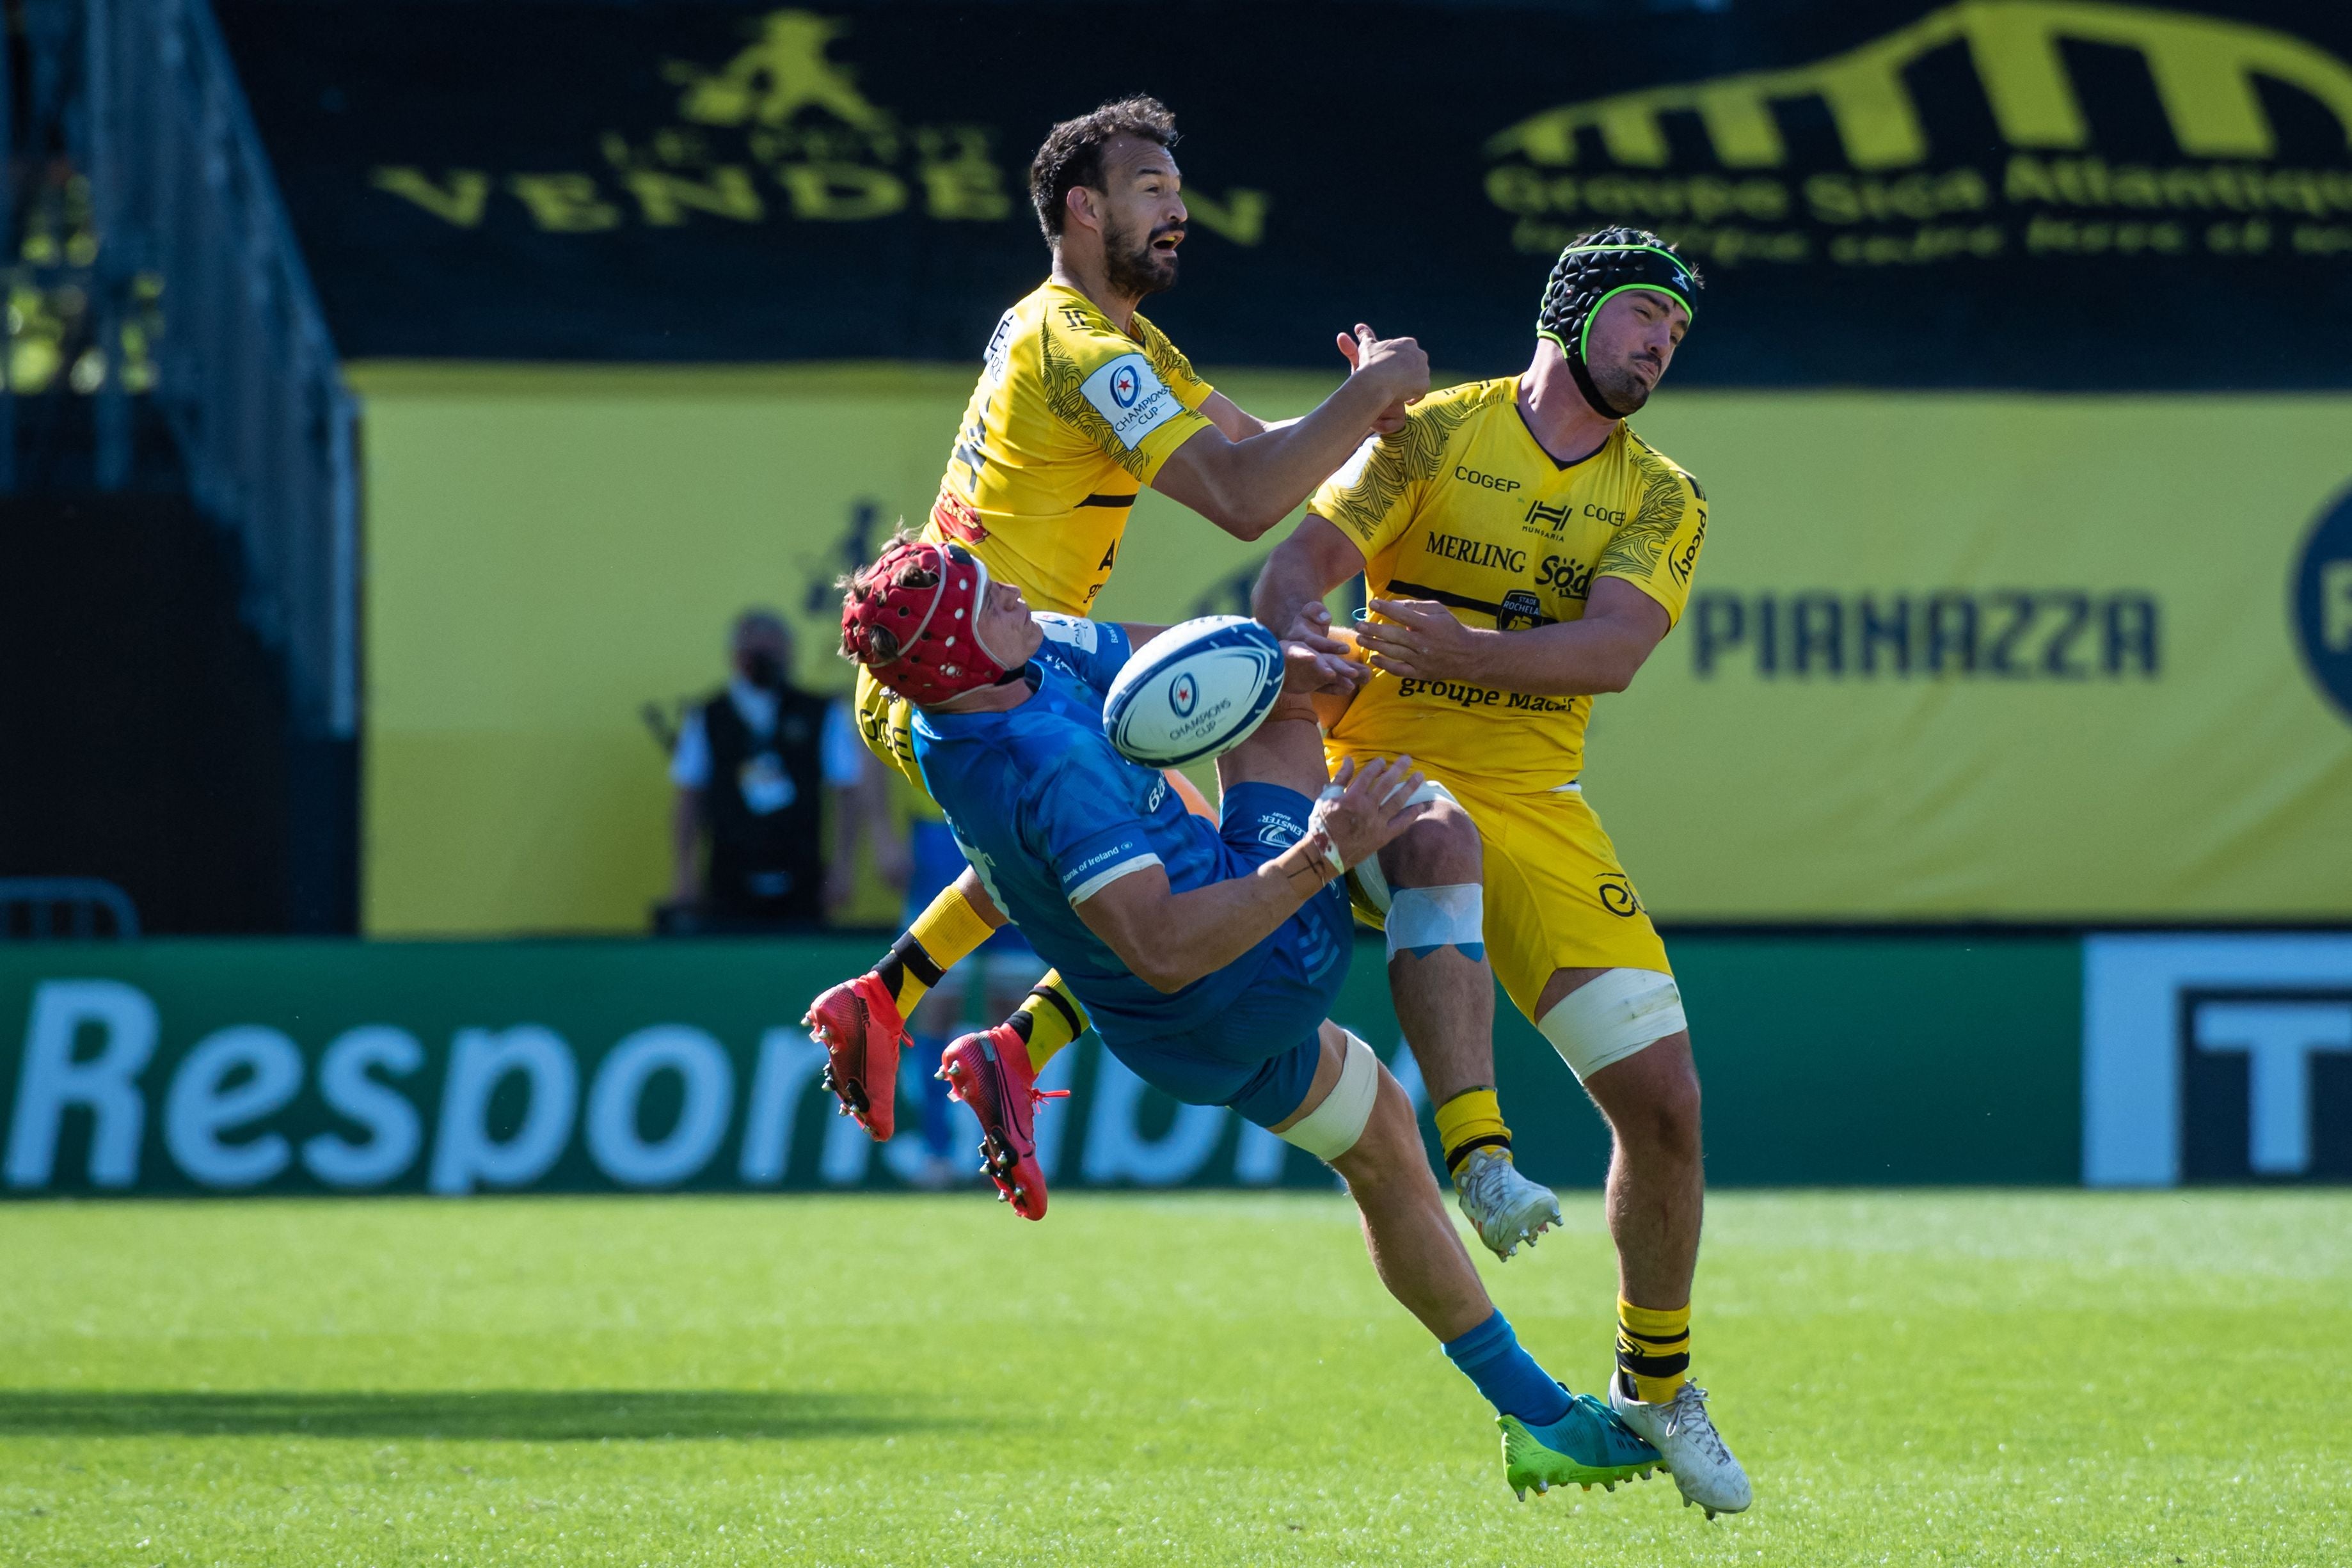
[
  {"x": 1131, "y": 396},
  {"x": 1069, "y": 419},
  {"x": 1463, "y": 506}
]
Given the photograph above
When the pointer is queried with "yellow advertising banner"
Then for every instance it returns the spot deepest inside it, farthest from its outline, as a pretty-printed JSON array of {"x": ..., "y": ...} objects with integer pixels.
[{"x": 1949, "y": 656}]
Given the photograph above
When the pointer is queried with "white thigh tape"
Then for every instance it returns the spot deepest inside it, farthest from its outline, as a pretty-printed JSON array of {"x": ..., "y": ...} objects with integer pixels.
[
  {"x": 1610, "y": 1017},
  {"x": 1332, "y": 1128},
  {"x": 1369, "y": 880},
  {"x": 1423, "y": 919}
]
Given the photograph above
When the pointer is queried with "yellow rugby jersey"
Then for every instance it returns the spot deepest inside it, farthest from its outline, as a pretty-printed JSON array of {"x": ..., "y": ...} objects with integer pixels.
[
  {"x": 1464, "y": 506},
  {"x": 1070, "y": 419}
]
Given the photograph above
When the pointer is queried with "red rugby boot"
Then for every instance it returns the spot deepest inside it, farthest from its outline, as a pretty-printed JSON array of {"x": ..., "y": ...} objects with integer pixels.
[
  {"x": 857, "y": 1023},
  {"x": 990, "y": 1071}
]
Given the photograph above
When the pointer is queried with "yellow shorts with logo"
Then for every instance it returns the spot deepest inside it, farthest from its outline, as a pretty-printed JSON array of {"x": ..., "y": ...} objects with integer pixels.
[
  {"x": 887, "y": 723},
  {"x": 1556, "y": 898}
]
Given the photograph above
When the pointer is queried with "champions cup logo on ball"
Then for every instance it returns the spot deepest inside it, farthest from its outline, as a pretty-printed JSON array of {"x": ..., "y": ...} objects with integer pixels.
[{"x": 1182, "y": 695}]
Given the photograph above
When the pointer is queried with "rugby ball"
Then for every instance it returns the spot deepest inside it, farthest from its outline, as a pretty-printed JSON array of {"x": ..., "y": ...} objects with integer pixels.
[{"x": 1196, "y": 690}]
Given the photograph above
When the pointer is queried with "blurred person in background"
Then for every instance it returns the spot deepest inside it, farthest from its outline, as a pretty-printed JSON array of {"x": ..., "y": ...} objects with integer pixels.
[{"x": 753, "y": 765}]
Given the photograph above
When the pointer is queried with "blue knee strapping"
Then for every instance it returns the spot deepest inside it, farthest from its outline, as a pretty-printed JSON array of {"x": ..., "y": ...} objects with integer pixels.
[{"x": 1420, "y": 920}]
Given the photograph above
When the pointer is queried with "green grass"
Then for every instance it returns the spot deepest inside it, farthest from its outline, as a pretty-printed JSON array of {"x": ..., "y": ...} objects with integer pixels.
[{"x": 1920, "y": 1378}]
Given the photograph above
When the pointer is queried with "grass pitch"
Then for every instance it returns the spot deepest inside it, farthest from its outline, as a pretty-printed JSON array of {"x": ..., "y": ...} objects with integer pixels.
[{"x": 1916, "y": 1378}]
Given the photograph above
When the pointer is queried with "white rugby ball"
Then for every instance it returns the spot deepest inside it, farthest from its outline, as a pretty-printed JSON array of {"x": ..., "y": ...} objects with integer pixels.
[{"x": 1196, "y": 690}]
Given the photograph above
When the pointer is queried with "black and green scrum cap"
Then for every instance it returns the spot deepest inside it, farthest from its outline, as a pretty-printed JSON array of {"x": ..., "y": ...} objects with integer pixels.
[{"x": 1588, "y": 277}]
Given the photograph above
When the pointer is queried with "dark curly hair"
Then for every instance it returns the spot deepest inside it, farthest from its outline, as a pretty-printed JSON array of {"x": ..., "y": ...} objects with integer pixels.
[{"x": 1072, "y": 153}]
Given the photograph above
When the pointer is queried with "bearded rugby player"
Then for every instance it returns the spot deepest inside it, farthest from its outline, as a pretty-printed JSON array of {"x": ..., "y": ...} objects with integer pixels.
[
  {"x": 1525, "y": 551},
  {"x": 1207, "y": 955},
  {"x": 1080, "y": 402}
]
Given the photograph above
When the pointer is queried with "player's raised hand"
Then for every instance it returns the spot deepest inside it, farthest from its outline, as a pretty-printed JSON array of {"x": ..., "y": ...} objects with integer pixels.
[
  {"x": 1312, "y": 626},
  {"x": 1371, "y": 808},
  {"x": 1398, "y": 363},
  {"x": 1308, "y": 670},
  {"x": 1391, "y": 419},
  {"x": 1420, "y": 640}
]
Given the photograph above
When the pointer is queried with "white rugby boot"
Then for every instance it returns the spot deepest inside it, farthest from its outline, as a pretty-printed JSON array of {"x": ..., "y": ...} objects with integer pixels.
[
  {"x": 1504, "y": 1206},
  {"x": 1685, "y": 1438}
]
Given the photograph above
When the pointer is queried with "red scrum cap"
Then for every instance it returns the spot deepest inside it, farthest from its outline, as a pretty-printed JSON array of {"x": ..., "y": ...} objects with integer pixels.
[{"x": 910, "y": 619}]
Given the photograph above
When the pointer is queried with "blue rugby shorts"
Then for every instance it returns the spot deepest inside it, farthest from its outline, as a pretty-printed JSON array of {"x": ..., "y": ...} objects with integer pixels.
[{"x": 1258, "y": 1054}]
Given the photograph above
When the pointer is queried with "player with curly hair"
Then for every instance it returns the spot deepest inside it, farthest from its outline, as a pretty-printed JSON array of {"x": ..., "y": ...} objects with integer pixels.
[{"x": 1080, "y": 402}]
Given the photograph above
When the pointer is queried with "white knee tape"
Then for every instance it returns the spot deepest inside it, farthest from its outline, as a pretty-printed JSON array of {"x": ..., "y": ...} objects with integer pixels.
[
  {"x": 1332, "y": 1128},
  {"x": 1610, "y": 1017},
  {"x": 1423, "y": 919},
  {"x": 1366, "y": 874}
]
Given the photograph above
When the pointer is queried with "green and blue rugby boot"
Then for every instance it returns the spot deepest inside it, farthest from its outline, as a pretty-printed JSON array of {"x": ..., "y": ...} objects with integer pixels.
[{"x": 1589, "y": 1445}]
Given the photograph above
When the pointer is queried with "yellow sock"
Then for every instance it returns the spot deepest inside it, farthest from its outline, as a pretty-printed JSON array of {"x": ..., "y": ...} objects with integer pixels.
[
  {"x": 1048, "y": 1019},
  {"x": 1653, "y": 1350},
  {"x": 1471, "y": 1120},
  {"x": 940, "y": 936}
]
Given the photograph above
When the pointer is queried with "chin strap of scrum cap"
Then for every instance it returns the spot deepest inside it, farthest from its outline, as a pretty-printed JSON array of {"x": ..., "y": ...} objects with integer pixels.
[{"x": 1588, "y": 277}]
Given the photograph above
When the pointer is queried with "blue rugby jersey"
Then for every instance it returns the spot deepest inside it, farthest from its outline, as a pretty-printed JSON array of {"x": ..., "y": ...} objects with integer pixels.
[{"x": 1048, "y": 813}]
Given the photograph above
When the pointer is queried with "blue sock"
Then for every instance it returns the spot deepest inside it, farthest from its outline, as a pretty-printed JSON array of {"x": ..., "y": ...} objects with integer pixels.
[{"x": 1490, "y": 1357}]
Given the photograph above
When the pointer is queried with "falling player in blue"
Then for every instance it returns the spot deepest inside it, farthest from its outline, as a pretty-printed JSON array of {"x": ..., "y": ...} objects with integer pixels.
[{"x": 1206, "y": 955}]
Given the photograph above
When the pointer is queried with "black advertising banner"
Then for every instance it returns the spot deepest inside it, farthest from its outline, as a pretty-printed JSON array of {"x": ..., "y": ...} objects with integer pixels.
[{"x": 2030, "y": 194}]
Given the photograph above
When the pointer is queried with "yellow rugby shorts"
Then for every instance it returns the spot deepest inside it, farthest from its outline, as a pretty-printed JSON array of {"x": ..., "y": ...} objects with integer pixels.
[
  {"x": 1556, "y": 898},
  {"x": 885, "y": 722}
]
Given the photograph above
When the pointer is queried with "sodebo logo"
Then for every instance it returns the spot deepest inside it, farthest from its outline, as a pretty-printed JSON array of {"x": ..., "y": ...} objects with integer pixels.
[{"x": 2323, "y": 603}]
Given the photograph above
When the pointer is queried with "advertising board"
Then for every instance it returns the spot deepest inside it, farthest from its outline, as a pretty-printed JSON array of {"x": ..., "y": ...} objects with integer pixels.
[
  {"x": 1947, "y": 656},
  {"x": 2006, "y": 194},
  {"x": 225, "y": 1067}
]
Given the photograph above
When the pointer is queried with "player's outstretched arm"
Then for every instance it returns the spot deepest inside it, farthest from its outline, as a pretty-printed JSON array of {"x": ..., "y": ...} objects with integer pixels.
[
  {"x": 1289, "y": 599},
  {"x": 1170, "y": 939},
  {"x": 1239, "y": 424},
  {"x": 1420, "y": 640},
  {"x": 1246, "y": 486}
]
